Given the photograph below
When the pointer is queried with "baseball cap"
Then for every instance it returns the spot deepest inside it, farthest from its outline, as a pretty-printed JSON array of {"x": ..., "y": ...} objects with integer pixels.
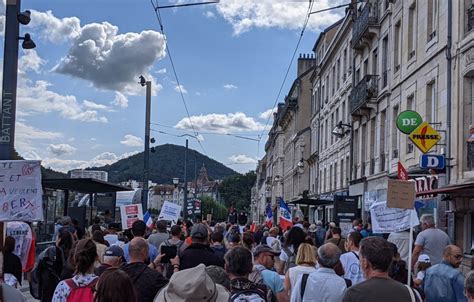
[
  {"x": 423, "y": 258},
  {"x": 199, "y": 231},
  {"x": 263, "y": 248},
  {"x": 312, "y": 228},
  {"x": 114, "y": 251},
  {"x": 332, "y": 224}
]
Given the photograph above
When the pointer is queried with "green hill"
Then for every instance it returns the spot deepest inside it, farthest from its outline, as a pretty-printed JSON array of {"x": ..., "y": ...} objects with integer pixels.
[{"x": 166, "y": 163}]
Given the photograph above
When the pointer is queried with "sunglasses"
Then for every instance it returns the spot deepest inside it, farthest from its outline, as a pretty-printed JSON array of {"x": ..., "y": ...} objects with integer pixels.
[{"x": 458, "y": 257}]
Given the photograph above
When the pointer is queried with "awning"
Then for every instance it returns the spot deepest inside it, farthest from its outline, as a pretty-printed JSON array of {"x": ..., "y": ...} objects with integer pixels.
[
  {"x": 454, "y": 189},
  {"x": 311, "y": 202},
  {"x": 83, "y": 185}
]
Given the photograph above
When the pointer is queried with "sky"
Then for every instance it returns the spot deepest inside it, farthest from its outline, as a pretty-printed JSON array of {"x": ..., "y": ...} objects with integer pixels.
[{"x": 79, "y": 103}]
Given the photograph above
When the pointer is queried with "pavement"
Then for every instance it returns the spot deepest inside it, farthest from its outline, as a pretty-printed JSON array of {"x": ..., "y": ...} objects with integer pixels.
[{"x": 25, "y": 290}]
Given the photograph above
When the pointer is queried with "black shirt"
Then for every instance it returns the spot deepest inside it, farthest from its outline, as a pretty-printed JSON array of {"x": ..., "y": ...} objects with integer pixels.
[
  {"x": 198, "y": 253},
  {"x": 147, "y": 281}
]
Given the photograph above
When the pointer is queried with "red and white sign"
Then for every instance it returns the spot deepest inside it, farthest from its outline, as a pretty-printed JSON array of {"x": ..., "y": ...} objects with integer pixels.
[
  {"x": 402, "y": 172},
  {"x": 129, "y": 214}
]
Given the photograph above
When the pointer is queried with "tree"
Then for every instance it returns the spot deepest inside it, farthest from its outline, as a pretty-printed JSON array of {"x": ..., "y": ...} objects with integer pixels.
[
  {"x": 236, "y": 190},
  {"x": 210, "y": 206}
]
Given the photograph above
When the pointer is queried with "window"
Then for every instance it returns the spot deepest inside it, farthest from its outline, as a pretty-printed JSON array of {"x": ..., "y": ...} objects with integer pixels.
[
  {"x": 469, "y": 17},
  {"x": 382, "y": 135},
  {"x": 411, "y": 30},
  {"x": 372, "y": 145},
  {"x": 326, "y": 134},
  {"x": 366, "y": 67},
  {"x": 333, "y": 82},
  {"x": 431, "y": 104},
  {"x": 331, "y": 125},
  {"x": 335, "y": 176},
  {"x": 341, "y": 176},
  {"x": 410, "y": 102},
  {"x": 384, "y": 61},
  {"x": 431, "y": 19},
  {"x": 395, "y": 133},
  {"x": 338, "y": 70},
  {"x": 343, "y": 115},
  {"x": 396, "y": 47},
  {"x": 363, "y": 149},
  {"x": 375, "y": 62},
  {"x": 344, "y": 58},
  {"x": 348, "y": 170}
]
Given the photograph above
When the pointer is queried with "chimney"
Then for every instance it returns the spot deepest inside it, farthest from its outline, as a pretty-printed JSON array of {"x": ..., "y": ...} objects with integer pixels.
[{"x": 305, "y": 62}]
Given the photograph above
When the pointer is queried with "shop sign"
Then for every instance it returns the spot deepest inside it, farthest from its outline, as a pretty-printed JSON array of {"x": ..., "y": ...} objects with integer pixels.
[
  {"x": 425, "y": 137},
  {"x": 432, "y": 161},
  {"x": 408, "y": 120}
]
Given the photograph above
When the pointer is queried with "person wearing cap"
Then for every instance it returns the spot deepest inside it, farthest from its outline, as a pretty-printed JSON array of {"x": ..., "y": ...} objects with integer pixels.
[
  {"x": 264, "y": 259},
  {"x": 113, "y": 257},
  {"x": 192, "y": 284},
  {"x": 112, "y": 237},
  {"x": 199, "y": 250},
  {"x": 422, "y": 265}
]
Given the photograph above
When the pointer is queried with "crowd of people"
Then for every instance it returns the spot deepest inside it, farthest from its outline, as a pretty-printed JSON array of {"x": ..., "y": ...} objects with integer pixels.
[{"x": 228, "y": 262}]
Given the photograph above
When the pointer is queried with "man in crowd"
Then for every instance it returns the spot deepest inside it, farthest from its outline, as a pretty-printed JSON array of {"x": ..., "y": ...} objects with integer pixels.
[
  {"x": 323, "y": 283},
  {"x": 264, "y": 258},
  {"x": 138, "y": 231},
  {"x": 238, "y": 265},
  {"x": 199, "y": 251},
  {"x": 469, "y": 286},
  {"x": 158, "y": 238},
  {"x": 113, "y": 256},
  {"x": 444, "y": 282},
  {"x": 112, "y": 237},
  {"x": 96, "y": 226},
  {"x": 351, "y": 260},
  {"x": 146, "y": 280},
  {"x": 431, "y": 241},
  {"x": 337, "y": 238},
  {"x": 217, "y": 245},
  {"x": 375, "y": 258}
]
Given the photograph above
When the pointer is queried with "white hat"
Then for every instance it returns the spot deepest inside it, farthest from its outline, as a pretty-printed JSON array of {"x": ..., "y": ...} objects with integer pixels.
[{"x": 423, "y": 258}]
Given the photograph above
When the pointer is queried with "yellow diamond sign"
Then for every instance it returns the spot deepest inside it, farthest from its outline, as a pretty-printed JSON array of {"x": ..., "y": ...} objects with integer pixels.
[{"x": 424, "y": 137}]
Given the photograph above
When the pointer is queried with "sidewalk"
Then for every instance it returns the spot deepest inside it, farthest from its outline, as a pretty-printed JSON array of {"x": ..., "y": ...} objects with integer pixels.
[{"x": 25, "y": 290}]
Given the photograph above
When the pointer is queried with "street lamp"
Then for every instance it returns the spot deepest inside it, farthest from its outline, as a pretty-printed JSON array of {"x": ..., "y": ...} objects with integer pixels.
[
  {"x": 341, "y": 129},
  {"x": 146, "y": 154},
  {"x": 175, "y": 182}
]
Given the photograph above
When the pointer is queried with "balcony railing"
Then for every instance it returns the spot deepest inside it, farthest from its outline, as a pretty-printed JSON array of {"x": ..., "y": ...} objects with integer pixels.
[
  {"x": 368, "y": 17},
  {"x": 363, "y": 92}
]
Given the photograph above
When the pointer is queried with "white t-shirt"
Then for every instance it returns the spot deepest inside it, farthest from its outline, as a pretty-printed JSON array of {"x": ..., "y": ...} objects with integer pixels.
[
  {"x": 111, "y": 238},
  {"x": 296, "y": 272},
  {"x": 420, "y": 275},
  {"x": 351, "y": 265}
]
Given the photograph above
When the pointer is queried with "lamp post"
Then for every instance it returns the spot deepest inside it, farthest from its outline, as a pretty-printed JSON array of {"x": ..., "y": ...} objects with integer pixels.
[
  {"x": 176, "y": 190},
  {"x": 146, "y": 153},
  {"x": 13, "y": 19}
]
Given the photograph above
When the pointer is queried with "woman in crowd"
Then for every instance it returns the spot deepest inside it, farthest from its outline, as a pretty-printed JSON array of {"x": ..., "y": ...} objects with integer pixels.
[
  {"x": 115, "y": 285},
  {"x": 11, "y": 263},
  {"x": 305, "y": 264},
  {"x": 248, "y": 241},
  {"x": 85, "y": 256},
  {"x": 100, "y": 243},
  {"x": 296, "y": 236}
]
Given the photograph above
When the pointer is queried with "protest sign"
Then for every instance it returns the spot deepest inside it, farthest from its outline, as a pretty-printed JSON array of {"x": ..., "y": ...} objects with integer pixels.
[
  {"x": 401, "y": 194},
  {"x": 387, "y": 220},
  {"x": 21, "y": 231},
  {"x": 170, "y": 211},
  {"x": 21, "y": 193},
  {"x": 130, "y": 214}
]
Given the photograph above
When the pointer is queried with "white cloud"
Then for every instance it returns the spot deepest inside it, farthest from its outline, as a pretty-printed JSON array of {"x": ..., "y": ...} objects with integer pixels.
[
  {"x": 268, "y": 113},
  {"x": 39, "y": 99},
  {"x": 92, "y": 105},
  {"x": 209, "y": 14},
  {"x": 113, "y": 61},
  {"x": 120, "y": 100},
  {"x": 61, "y": 149},
  {"x": 242, "y": 159},
  {"x": 132, "y": 141},
  {"x": 221, "y": 123},
  {"x": 244, "y": 15},
  {"x": 161, "y": 71},
  {"x": 230, "y": 86},
  {"x": 177, "y": 88},
  {"x": 25, "y": 135},
  {"x": 30, "y": 61},
  {"x": 54, "y": 29}
]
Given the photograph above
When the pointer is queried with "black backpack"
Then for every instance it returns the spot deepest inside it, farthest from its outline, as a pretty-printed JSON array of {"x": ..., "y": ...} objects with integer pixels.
[{"x": 257, "y": 293}]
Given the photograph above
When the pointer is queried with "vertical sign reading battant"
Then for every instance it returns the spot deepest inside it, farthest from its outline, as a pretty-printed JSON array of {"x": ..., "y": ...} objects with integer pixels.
[{"x": 21, "y": 194}]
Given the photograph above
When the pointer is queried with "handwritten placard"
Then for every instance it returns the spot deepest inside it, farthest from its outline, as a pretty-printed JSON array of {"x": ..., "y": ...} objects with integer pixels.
[
  {"x": 387, "y": 220},
  {"x": 401, "y": 194},
  {"x": 170, "y": 211},
  {"x": 21, "y": 194}
]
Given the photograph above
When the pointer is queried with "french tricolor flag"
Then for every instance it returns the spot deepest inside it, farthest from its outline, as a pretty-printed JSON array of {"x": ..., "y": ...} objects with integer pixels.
[
  {"x": 285, "y": 215},
  {"x": 148, "y": 220},
  {"x": 269, "y": 216}
]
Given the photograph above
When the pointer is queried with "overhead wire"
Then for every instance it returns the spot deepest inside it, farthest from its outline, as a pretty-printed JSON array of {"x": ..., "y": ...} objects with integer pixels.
[
  {"x": 160, "y": 21},
  {"x": 308, "y": 15}
]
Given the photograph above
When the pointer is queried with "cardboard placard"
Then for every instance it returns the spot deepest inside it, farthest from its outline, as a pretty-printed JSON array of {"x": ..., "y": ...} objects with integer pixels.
[
  {"x": 130, "y": 214},
  {"x": 401, "y": 194}
]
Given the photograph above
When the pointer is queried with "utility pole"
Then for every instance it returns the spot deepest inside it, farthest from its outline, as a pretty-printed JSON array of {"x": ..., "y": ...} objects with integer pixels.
[
  {"x": 185, "y": 186},
  {"x": 146, "y": 153}
]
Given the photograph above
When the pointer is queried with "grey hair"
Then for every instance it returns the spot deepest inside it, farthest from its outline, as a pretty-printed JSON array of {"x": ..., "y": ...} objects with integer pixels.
[
  {"x": 108, "y": 259},
  {"x": 427, "y": 219},
  {"x": 328, "y": 255},
  {"x": 469, "y": 284}
]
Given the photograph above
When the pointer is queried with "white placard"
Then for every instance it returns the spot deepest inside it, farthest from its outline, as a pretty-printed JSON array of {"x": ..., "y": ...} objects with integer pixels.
[
  {"x": 129, "y": 214},
  {"x": 21, "y": 193},
  {"x": 170, "y": 211},
  {"x": 387, "y": 220},
  {"x": 21, "y": 231}
]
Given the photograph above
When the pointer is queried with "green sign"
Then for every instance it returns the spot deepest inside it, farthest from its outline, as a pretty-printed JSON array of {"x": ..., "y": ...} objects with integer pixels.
[{"x": 408, "y": 120}]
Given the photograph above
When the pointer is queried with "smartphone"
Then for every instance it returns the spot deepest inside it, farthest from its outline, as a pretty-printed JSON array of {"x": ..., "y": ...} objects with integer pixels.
[{"x": 170, "y": 252}]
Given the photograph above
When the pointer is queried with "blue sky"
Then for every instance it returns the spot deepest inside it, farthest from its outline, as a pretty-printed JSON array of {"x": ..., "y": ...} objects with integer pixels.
[{"x": 79, "y": 103}]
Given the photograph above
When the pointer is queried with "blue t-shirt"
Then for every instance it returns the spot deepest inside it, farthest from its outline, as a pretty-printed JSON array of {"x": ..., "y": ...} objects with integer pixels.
[
  {"x": 271, "y": 279},
  {"x": 152, "y": 252}
]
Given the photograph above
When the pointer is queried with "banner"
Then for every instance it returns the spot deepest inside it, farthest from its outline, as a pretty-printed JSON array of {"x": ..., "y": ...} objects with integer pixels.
[
  {"x": 21, "y": 193},
  {"x": 387, "y": 220},
  {"x": 170, "y": 211},
  {"x": 21, "y": 231},
  {"x": 130, "y": 214}
]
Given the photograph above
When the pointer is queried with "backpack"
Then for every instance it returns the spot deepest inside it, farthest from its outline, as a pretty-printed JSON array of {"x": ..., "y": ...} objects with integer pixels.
[
  {"x": 256, "y": 293},
  {"x": 168, "y": 272},
  {"x": 81, "y": 293},
  {"x": 44, "y": 272},
  {"x": 291, "y": 261},
  {"x": 257, "y": 278}
]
